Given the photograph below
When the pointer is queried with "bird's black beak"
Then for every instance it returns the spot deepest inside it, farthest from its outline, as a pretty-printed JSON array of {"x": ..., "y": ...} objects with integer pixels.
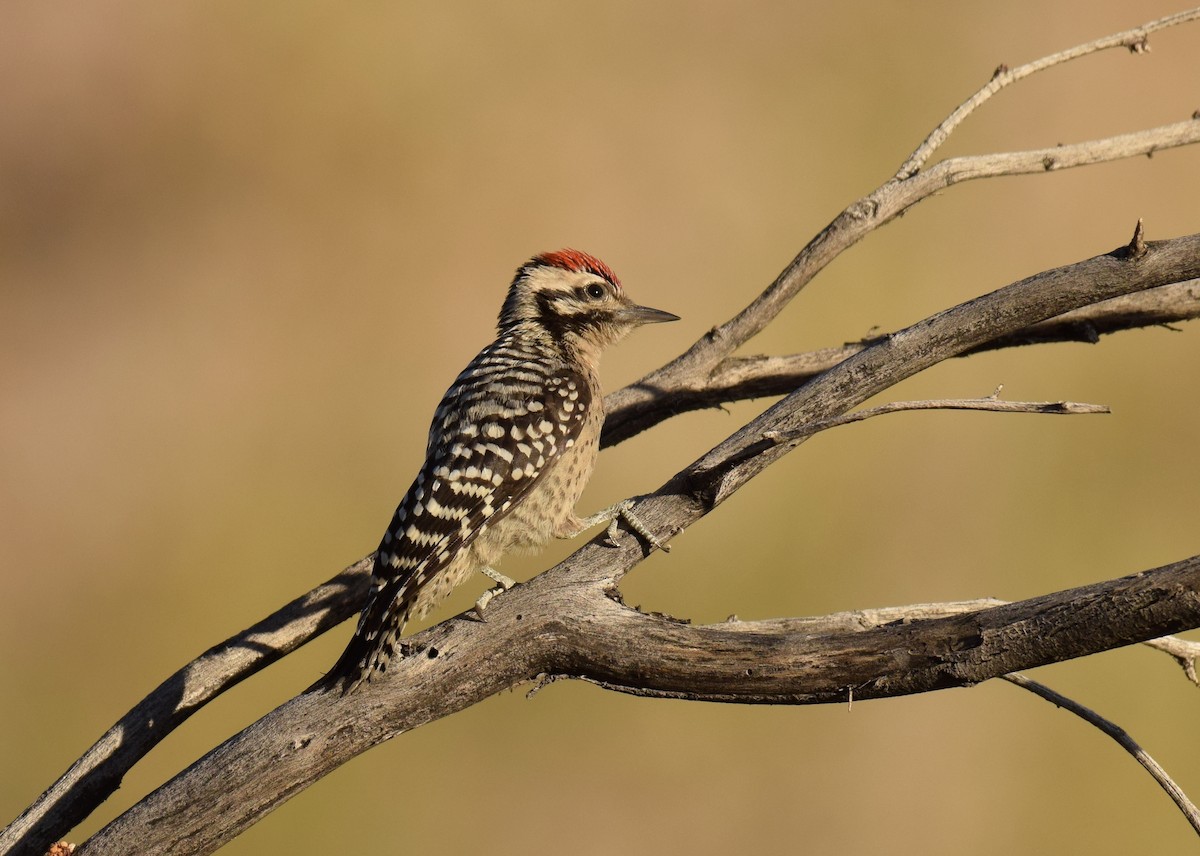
[{"x": 645, "y": 315}]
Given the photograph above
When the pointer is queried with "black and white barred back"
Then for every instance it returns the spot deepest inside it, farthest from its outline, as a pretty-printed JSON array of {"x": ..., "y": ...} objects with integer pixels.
[{"x": 511, "y": 448}]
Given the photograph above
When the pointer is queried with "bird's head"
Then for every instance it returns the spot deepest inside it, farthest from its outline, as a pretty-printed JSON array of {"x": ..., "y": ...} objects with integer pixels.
[{"x": 576, "y": 300}]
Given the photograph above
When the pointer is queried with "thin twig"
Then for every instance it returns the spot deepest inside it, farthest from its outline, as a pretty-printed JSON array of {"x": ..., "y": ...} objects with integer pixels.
[
  {"x": 992, "y": 403},
  {"x": 1035, "y": 161},
  {"x": 1123, "y": 739},
  {"x": 1185, "y": 653},
  {"x": 1134, "y": 40}
]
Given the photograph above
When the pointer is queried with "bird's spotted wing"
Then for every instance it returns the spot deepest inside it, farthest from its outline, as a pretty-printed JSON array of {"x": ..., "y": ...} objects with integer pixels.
[{"x": 489, "y": 445}]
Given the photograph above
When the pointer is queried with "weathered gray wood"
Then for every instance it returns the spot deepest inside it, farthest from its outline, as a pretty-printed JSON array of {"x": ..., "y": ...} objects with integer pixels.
[
  {"x": 568, "y": 622},
  {"x": 707, "y": 374}
]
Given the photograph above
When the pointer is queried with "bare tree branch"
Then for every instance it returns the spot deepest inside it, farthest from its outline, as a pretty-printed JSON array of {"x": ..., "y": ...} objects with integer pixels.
[
  {"x": 566, "y": 622},
  {"x": 875, "y": 210},
  {"x": 1134, "y": 40},
  {"x": 631, "y": 410},
  {"x": 98, "y": 773},
  {"x": 902, "y": 354},
  {"x": 1185, "y": 653},
  {"x": 1064, "y": 304},
  {"x": 992, "y": 404},
  {"x": 562, "y": 624},
  {"x": 1123, "y": 739}
]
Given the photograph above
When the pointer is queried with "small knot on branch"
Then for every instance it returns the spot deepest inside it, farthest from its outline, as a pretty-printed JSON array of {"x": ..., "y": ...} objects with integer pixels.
[
  {"x": 1085, "y": 331},
  {"x": 863, "y": 209},
  {"x": 1138, "y": 44},
  {"x": 1001, "y": 69}
]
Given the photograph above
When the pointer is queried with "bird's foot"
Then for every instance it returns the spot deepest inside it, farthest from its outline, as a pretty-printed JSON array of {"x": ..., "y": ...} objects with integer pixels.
[
  {"x": 613, "y": 515},
  {"x": 503, "y": 584}
]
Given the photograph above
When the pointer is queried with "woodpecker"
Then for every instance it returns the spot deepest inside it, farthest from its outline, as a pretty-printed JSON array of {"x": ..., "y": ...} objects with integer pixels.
[{"x": 512, "y": 445}]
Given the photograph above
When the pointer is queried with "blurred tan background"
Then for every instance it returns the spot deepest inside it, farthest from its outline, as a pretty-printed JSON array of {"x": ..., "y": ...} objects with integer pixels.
[{"x": 245, "y": 247}]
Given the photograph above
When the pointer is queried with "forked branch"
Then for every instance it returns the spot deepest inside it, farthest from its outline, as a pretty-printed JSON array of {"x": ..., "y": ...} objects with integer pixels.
[
  {"x": 309, "y": 736},
  {"x": 567, "y": 622},
  {"x": 1136, "y": 41}
]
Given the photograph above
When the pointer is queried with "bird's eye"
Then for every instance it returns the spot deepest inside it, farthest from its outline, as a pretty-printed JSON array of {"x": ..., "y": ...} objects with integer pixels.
[{"x": 595, "y": 291}]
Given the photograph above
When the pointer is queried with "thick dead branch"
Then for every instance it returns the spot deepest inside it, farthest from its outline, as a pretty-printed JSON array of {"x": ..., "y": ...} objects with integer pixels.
[
  {"x": 589, "y": 636},
  {"x": 562, "y": 624},
  {"x": 900, "y": 355}
]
